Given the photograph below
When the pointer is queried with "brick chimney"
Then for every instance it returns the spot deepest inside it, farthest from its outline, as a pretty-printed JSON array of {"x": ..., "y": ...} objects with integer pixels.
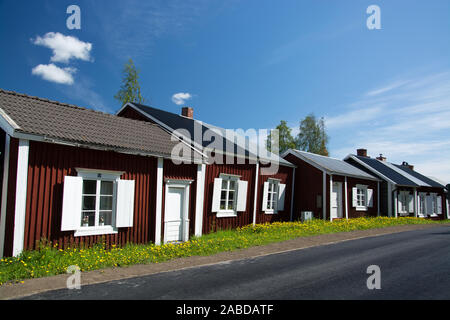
[
  {"x": 406, "y": 164},
  {"x": 187, "y": 112},
  {"x": 381, "y": 157},
  {"x": 361, "y": 152}
]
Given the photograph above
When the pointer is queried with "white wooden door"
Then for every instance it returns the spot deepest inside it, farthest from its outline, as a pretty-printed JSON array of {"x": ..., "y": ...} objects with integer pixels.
[
  {"x": 174, "y": 209},
  {"x": 336, "y": 200}
]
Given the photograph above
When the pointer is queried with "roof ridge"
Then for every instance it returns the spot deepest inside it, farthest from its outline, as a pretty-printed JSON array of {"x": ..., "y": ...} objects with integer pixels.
[{"x": 68, "y": 105}]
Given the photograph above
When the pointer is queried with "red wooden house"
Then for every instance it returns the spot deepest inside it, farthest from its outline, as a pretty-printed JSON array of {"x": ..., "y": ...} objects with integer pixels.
[
  {"x": 331, "y": 188},
  {"x": 72, "y": 175},
  {"x": 241, "y": 186}
]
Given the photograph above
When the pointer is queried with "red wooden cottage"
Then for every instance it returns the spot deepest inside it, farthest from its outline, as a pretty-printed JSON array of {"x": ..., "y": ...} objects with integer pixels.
[
  {"x": 403, "y": 190},
  {"x": 241, "y": 184},
  {"x": 331, "y": 188},
  {"x": 73, "y": 175}
]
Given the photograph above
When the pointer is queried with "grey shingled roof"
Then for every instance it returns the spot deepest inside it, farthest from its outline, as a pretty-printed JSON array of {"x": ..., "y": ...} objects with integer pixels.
[
  {"x": 70, "y": 123},
  {"x": 332, "y": 165}
]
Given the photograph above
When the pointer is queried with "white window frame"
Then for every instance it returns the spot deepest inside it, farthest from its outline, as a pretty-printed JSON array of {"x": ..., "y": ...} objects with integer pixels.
[
  {"x": 222, "y": 213},
  {"x": 361, "y": 206},
  {"x": 99, "y": 175},
  {"x": 272, "y": 196}
]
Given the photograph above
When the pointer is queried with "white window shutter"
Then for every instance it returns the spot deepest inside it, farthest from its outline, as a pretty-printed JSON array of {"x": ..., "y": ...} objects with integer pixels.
[
  {"x": 411, "y": 203},
  {"x": 72, "y": 198},
  {"x": 216, "y": 195},
  {"x": 242, "y": 196},
  {"x": 370, "y": 198},
  {"x": 125, "y": 203},
  {"x": 281, "y": 196},
  {"x": 265, "y": 194},
  {"x": 354, "y": 197},
  {"x": 439, "y": 204}
]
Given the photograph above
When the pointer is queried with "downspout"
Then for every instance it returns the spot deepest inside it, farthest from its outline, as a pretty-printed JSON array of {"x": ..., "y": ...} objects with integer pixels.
[
  {"x": 324, "y": 198},
  {"x": 292, "y": 194},
  {"x": 378, "y": 198},
  {"x": 256, "y": 193},
  {"x": 346, "y": 198},
  {"x": 331, "y": 189},
  {"x": 395, "y": 193}
]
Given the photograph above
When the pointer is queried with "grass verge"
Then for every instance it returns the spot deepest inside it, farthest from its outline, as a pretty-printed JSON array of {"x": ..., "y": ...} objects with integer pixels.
[{"x": 50, "y": 260}]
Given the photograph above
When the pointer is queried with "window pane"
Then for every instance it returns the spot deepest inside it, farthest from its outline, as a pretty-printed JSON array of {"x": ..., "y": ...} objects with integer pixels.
[
  {"x": 106, "y": 202},
  {"x": 230, "y": 205},
  {"x": 88, "y": 203},
  {"x": 222, "y": 205},
  {"x": 224, "y": 184},
  {"x": 88, "y": 219},
  {"x": 270, "y": 187},
  {"x": 223, "y": 196},
  {"x": 231, "y": 195},
  {"x": 106, "y": 188},
  {"x": 89, "y": 186},
  {"x": 232, "y": 185},
  {"x": 105, "y": 218}
]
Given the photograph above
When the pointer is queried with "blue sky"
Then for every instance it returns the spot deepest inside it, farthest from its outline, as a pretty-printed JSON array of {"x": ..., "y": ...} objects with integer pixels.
[{"x": 250, "y": 64}]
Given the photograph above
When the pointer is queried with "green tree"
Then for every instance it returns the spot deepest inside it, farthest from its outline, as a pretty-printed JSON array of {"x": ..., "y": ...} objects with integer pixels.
[
  {"x": 130, "y": 90},
  {"x": 285, "y": 139},
  {"x": 312, "y": 136}
]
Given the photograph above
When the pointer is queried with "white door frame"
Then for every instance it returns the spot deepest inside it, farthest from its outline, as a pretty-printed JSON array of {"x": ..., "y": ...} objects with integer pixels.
[
  {"x": 180, "y": 184},
  {"x": 339, "y": 213}
]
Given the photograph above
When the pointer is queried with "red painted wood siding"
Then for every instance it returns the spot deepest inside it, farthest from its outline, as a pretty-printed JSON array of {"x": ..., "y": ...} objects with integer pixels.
[
  {"x": 308, "y": 185},
  {"x": 49, "y": 163},
  {"x": 247, "y": 173},
  {"x": 285, "y": 175}
]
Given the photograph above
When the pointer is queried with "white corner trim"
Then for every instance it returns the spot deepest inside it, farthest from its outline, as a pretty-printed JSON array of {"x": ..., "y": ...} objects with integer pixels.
[
  {"x": 324, "y": 196},
  {"x": 346, "y": 197},
  {"x": 255, "y": 196},
  {"x": 292, "y": 195},
  {"x": 159, "y": 193},
  {"x": 199, "y": 198},
  {"x": 4, "y": 194},
  {"x": 21, "y": 197},
  {"x": 331, "y": 191}
]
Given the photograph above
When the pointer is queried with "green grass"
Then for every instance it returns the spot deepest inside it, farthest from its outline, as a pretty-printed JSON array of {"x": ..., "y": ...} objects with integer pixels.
[{"x": 50, "y": 260}]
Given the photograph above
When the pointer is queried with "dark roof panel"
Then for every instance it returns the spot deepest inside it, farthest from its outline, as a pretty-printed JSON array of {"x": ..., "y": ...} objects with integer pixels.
[
  {"x": 386, "y": 171},
  {"x": 175, "y": 121},
  {"x": 420, "y": 176}
]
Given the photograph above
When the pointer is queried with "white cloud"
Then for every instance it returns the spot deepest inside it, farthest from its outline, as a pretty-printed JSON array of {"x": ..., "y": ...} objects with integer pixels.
[
  {"x": 406, "y": 120},
  {"x": 52, "y": 73},
  {"x": 181, "y": 97},
  {"x": 64, "y": 47}
]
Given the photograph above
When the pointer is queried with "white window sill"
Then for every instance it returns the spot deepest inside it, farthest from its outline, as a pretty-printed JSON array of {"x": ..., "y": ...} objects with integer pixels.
[
  {"x": 270, "y": 212},
  {"x": 361, "y": 208},
  {"x": 94, "y": 231},
  {"x": 226, "y": 214}
]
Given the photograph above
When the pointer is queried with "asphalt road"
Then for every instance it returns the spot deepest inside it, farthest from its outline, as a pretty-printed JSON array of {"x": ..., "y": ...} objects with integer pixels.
[{"x": 413, "y": 265}]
